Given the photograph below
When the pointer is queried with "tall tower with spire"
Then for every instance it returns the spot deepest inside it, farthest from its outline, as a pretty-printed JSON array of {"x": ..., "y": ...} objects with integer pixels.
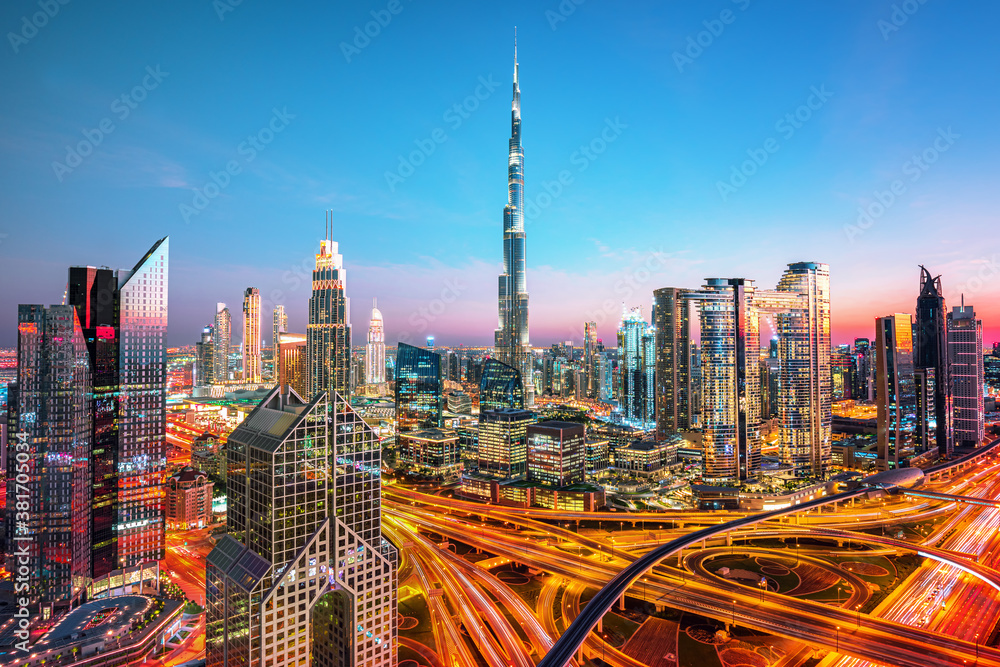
[
  {"x": 511, "y": 339},
  {"x": 375, "y": 350},
  {"x": 328, "y": 334}
]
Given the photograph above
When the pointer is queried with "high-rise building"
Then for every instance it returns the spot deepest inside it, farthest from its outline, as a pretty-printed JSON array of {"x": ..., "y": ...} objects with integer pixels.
[
  {"x": 991, "y": 367},
  {"x": 842, "y": 367},
  {"x": 557, "y": 453},
  {"x": 375, "y": 351},
  {"x": 223, "y": 333},
  {"x": 500, "y": 386},
  {"x": 590, "y": 358},
  {"x": 671, "y": 321},
  {"x": 252, "y": 360},
  {"x": 965, "y": 356},
  {"x": 637, "y": 357},
  {"x": 895, "y": 390},
  {"x": 50, "y": 457},
  {"x": 293, "y": 369},
  {"x": 279, "y": 325},
  {"x": 329, "y": 329},
  {"x": 124, "y": 318},
  {"x": 204, "y": 362},
  {"x": 419, "y": 390},
  {"x": 511, "y": 339},
  {"x": 930, "y": 355},
  {"x": 503, "y": 442},
  {"x": 311, "y": 581},
  {"x": 862, "y": 357}
]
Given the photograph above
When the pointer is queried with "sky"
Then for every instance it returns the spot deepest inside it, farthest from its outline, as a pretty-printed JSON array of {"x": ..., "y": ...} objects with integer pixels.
[{"x": 665, "y": 143}]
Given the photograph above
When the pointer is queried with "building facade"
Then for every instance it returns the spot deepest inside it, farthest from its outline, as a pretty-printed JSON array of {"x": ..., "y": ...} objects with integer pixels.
[
  {"x": 375, "y": 350},
  {"x": 189, "y": 499},
  {"x": 500, "y": 386},
  {"x": 930, "y": 360},
  {"x": 204, "y": 364},
  {"x": 223, "y": 336},
  {"x": 637, "y": 361},
  {"x": 432, "y": 451},
  {"x": 557, "y": 453},
  {"x": 671, "y": 320},
  {"x": 292, "y": 362},
  {"x": 328, "y": 334},
  {"x": 419, "y": 391},
  {"x": 252, "y": 359},
  {"x": 503, "y": 444},
  {"x": 895, "y": 391},
  {"x": 965, "y": 356}
]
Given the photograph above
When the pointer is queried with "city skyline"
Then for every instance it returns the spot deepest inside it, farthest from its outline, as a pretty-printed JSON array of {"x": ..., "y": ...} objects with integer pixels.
[{"x": 637, "y": 209}]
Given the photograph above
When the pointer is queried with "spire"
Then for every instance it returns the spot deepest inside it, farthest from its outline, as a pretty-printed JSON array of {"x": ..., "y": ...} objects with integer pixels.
[{"x": 515, "y": 55}]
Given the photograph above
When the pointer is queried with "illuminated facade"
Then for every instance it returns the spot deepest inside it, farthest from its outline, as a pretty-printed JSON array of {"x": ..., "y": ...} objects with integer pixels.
[
  {"x": 637, "y": 364},
  {"x": 895, "y": 390},
  {"x": 124, "y": 315},
  {"x": 49, "y": 455},
  {"x": 329, "y": 330},
  {"x": 279, "y": 325},
  {"x": 965, "y": 355},
  {"x": 419, "y": 390},
  {"x": 500, "y": 386},
  {"x": 204, "y": 364},
  {"x": 590, "y": 359},
  {"x": 311, "y": 582},
  {"x": 293, "y": 370},
  {"x": 503, "y": 447},
  {"x": 221, "y": 341},
  {"x": 557, "y": 453},
  {"x": 511, "y": 339},
  {"x": 930, "y": 359},
  {"x": 251, "y": 335},
  {"x": 673, "y": 361},
  {"x": 431, "y": 451},
  {"x": 375, "y": 350}
]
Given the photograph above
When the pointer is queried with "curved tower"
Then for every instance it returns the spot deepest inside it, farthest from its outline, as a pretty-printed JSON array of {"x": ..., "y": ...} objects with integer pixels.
[{"x": 511, "y": 339}]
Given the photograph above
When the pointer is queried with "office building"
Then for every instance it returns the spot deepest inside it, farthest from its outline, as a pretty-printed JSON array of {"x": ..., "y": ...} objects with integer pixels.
[
  {"x": 965, "y": 356},
  {"x": 500, "y": 386},
  {"x": 503, "y": 447},
  {"x": 49, "y": 454},
  {"x": 511, "y": 338},
  {"x": 124, "y": 319},
  {"x": 862, "y": 389},
  {"x": 930, "y": 360},
  {"x": 557, "y": 453},
  {"x": 204, "y": 364},
  {"x": 671, "y": 320},
  {"x": 375, "y": 350},
  {"x": 419, "y": 389},
  {"x": 328, "y": 333},
  {"x": 279, "y": 325},
  {"x": 292, "y": 361},
  {"x": 895, "y": 391},
  {"x": 637, "y": 359},
  {"x": 311, "y": 581},
  {"x": 222, "y": 341},
  {"x": 252, "y": 360},
  {"x": 434, "y": 452}
]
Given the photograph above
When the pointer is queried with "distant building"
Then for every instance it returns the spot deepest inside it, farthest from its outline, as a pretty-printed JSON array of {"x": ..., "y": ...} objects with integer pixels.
[
  {"x": 252, "y": 359},
  {"x": 637, "y": 357},
  {"x": 433, "y": 452},
  {"x": 292, "y": 362},
  {"x": 965, "y": 355},
  {"x": 189, "y": 499},
  {"x": 597, "y": 456},
  {"x": 646, "y": 458},
  {"x": 204, "y": 364},
  {"x": 895, "y": 390},
  {"x": 222, "y": 332},
  {"x": 375, "y": 350},
  {"x": 503, "y": 446},
  {"x": 557, "y": 454}
]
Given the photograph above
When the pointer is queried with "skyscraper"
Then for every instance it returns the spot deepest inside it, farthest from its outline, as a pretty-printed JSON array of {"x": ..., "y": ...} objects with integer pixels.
[
  {"x": 292, "y": 369},
  {"x": 895, "y": 391},
  {"x": 311, "y": 581},
  {"x": 503, "y": 442},
  {"x": 223, "y": 332},
  {"x": 251, "y": 335},
  {"x": 930, "y": 359},
  {"x": 279, "y": 324},
  {"x": 673, "y": 361},
  {"x": 419, "y": 389},
  {"x": 375, "y": 350},
  {"x": 511, "y": 339},
  {"x": 204, "y": 364},
  {"x": 557, "y": 453},
  {"x": 124, "y": 317},
  {"x": 637, "y": 358},
  {"x": 590, "y": 358},
  {"x": 500, "y": 386},
  {"x": 329, "y": 330},
  {"x": 862, "y": 370},
  {"x": 965, "y": 355},
  {"x": 49, "y": 456}
]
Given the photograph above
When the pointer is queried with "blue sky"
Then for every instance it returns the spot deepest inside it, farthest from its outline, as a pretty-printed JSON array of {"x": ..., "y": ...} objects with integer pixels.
[{"x": 643, "y": 209}]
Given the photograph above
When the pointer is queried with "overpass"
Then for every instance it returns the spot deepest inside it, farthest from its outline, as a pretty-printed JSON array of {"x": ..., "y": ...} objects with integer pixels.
[{"x": 934, "y": 495}]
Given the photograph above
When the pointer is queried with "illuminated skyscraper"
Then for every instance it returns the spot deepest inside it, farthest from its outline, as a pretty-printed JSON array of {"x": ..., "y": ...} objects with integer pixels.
[
  {"x": 503, "y": 443},
  {"x": 557, "y": 453},
  {"x": 862, "y": 370},
  {"x": 279, "y": 324},
  {"x": 590, "y": 359},
  {"x": 375, "y": 350},
  {"x": 965, "y": 355},
  {"x": 930, "y": 359},
  {"x": 49, "y": 456},
  {"x": 895, "y": 391},
  {"x": 251, "y": 335},
  {"x": 673, "y": 361},
  {"x": 500, "y": 386},
  {"x": 292, "y": 369},
  {"x": 310, "y": 581},
  {"x": 419, "y": 389},
  {"x": 222, "y": 339},
  {"x": 204, "y": 364},
  {"x": 124, "y": 317},
  {"x": 511, "y": 339},
  {"x": 637, "y": 360},
  {"x": 329, "y": 330}
]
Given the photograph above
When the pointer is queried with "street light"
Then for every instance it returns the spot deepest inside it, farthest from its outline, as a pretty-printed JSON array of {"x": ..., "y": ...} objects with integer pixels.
[
  {"x": 838, "y": 639},
  {"x": 734, "y": 614},
  {"x": 858, "y": 608}
]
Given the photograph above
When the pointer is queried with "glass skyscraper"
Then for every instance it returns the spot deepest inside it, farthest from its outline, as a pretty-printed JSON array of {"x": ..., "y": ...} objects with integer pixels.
[
  {"x": 673, "y": 361},
  {"x": 251, "y": 336},
  {"x": 419, "y": 389},
  {"x": 895, "y": 390},
  {"x": 965, "y": 355},
  {"x": 637, "y": 364},
  {"x": 930, "y": 359},
  {"x": 511, "y": 338},
  {"x": 222, "y": 340},
  {"x": 500, "y": 386},
  {"x": 329, "y": 328},
  {"x": 503, "y": 446}
]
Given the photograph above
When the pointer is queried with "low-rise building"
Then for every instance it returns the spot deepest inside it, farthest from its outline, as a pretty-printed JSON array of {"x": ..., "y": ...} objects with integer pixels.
[
  {"x": 431, "y": 451},
  {"x": 647, "y": 458},
  {"x": 189, "y": 499},
  {"x": 556, "y": 453}
]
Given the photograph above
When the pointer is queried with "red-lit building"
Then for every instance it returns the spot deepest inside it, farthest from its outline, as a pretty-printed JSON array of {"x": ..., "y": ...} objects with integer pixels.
[{"x": 189, "y": 499}]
